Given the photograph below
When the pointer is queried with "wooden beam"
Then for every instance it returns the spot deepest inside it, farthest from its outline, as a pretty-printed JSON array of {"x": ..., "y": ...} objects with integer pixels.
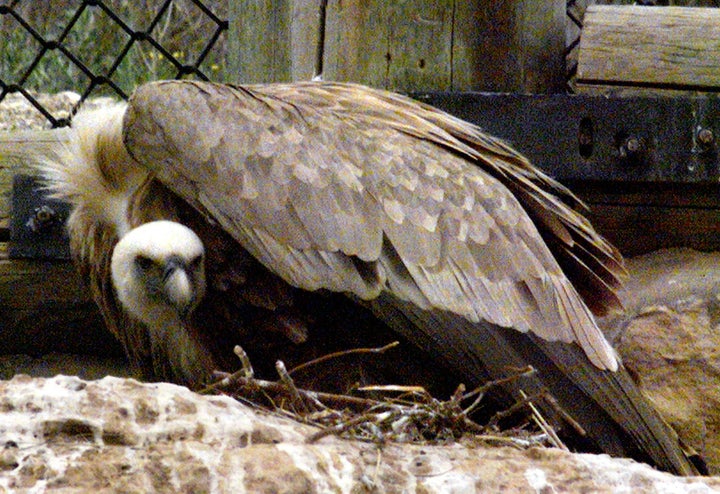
[
  {"x": 639, "y": 219},
  {"x": 46, "y": 307},
  {"x": 658, "y": 47},
  {"x": 590, "y": 138}
]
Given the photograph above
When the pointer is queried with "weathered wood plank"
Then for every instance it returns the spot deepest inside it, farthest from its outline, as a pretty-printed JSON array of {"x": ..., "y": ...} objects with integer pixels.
[
  {"x": 273, "y": 40},
  {"x": 356, "y": 41},
  {"x": 6, "y": 178},
  {"x": 586, "y": 137},
  {"x": 20, "y": 149},
  {"x": 513, "y": 46},
  {"x": 642, "y": 229},
  {"x": 420, "y": 45},
  {"x": 663, "y": 47},
  {"x": 46, "y": 307},
  {"x": 669, "y": 195},
  {"x": 396, "y": 45},
  {"x": 640, "y": 218}
]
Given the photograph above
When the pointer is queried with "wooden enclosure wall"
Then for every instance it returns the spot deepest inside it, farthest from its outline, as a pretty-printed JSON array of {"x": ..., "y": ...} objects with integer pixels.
[{"x": 412, "y": 45}]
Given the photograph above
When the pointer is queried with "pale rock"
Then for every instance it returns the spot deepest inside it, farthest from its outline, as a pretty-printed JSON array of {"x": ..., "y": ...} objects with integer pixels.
[
  {"x": 66, "y": 435},
  {"x": 669, "y": 338}
]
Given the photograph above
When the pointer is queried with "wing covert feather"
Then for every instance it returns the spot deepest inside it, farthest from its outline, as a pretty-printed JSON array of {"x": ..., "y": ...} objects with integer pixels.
[{"x": 311, "y": 178}]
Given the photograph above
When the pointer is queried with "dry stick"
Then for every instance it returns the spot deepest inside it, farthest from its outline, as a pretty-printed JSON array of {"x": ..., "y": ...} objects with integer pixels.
[
  {"x": 397, "y": 410},
  {"x": 224, "y": 382},
  {"x": 482, "y": 389},
  {"x": 246, "y": 372},
  {"x": 556, "y": 406},
  {"x": 342, "y": 354},
  {"x": 244, "y": 360},
  {"x": 274, "y": 387},
  {"x": 340, "y": 428},
  {"x": 244, "y": 378},
  {"x": 515, "y": 407},
  {"x": 392, "y": 415},
  {"x": 291, "y": 388},
  {"x": 378, "y": 462},
  {"x": 458, "y": 395},
  {"x": 543, "y": 424},
  {"x": 504, "y": 440},
  {"x": 395, "y": 388}
]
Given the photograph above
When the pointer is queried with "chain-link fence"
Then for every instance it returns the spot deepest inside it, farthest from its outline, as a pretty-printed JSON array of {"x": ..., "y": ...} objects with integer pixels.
[{"x": 98, "y": 47}]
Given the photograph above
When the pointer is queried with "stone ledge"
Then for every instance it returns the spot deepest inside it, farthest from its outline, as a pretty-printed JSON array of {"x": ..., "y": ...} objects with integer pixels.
[{"x": 64, "y": 434}]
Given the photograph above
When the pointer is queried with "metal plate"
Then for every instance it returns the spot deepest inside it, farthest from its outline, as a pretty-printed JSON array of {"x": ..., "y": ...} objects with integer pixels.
[
  {"x": 37, "y": 225},
  {"x": 577, "y": 138}
]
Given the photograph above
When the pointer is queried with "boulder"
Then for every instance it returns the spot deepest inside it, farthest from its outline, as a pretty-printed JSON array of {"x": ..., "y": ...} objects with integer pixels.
[{"x": 669, "y": 339}]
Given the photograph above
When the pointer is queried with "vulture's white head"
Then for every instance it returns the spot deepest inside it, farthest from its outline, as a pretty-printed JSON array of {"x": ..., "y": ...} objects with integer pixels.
[{"x": 158, "y": 272}]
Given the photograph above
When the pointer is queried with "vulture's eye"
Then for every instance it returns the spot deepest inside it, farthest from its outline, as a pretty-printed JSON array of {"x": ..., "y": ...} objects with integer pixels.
[
  {"x": 195, "y": 262},
  {"x": 144, "y": 263}
]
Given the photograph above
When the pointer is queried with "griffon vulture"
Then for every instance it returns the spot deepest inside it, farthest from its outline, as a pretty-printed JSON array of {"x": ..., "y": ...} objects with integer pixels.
[{"x": 208, "y": 215}]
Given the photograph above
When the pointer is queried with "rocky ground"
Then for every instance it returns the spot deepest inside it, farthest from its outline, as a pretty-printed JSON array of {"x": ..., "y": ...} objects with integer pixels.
[
  {"x": 67, "y": 435},
  {"x": 17, "y": 113}
]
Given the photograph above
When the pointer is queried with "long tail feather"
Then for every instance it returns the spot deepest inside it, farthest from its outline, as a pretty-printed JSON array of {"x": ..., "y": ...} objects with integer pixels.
[{"x": 607, "y": 405}]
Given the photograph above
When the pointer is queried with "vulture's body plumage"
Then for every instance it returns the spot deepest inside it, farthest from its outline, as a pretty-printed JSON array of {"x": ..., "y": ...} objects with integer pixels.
[{"x": 300, "y": 192}]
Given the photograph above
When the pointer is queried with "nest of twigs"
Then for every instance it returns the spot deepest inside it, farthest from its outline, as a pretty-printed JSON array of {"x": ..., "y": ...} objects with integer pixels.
[{"x": 401, "y": 414}]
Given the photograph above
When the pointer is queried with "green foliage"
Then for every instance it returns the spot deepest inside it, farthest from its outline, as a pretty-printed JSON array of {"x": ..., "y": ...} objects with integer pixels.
[{"x": 98, "y": 42}]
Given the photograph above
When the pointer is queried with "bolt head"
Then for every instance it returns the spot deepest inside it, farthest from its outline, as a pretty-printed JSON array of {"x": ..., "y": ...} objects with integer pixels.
[
  {"x": 632, "y": 145},
  {"x": 705, "y": 136}
]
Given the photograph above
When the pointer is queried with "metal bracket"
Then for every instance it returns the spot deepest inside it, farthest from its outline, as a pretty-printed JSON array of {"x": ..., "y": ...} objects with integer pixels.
[
  {"x": 580, "y": 138},
  {"x": 37, "y": 224}
]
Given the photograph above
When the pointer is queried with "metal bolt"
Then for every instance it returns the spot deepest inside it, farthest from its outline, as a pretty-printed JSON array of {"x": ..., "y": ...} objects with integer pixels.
[
  {"x": 586, "y": 137},
  {"x": 631, "y": 147},
  {"x": 705, "y": 138},
  {"x": 43, "y": 218}
]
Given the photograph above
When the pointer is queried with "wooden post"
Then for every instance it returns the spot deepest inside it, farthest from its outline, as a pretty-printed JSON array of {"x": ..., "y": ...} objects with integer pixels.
[
  {"x": 356, "y": 37},
  {"x": 509, "y": 46},
  {"x": 395, "y": 45},
  {"x": 411, "y": 45},
  {"x": 273, "y": 40}
]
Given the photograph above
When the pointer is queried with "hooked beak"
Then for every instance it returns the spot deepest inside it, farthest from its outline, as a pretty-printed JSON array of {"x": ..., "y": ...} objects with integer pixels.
[{"x": 178, "y": 287}]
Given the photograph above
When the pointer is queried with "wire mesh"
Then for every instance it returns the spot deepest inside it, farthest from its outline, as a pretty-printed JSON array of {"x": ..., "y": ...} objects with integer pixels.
[{"x": 100, "y": 48}]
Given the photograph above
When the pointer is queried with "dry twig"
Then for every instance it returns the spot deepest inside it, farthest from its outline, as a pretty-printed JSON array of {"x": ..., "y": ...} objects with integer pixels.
[
  {"x": 403, "y": 414},
  {"x": 342, "y": 354}
]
